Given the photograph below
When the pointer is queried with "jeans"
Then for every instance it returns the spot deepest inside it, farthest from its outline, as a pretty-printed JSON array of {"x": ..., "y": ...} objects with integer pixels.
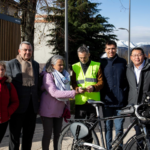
[{"x": 109, "y": 112}]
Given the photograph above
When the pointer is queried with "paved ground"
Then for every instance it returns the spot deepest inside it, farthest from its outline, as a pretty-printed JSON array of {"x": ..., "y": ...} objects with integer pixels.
[{"x": 39, "y": 132}]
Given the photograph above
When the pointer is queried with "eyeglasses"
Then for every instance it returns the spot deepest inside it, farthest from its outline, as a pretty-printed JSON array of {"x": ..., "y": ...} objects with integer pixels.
[
  {"x": 137, "y": 55},
  {"x": 25, "y": 50}
]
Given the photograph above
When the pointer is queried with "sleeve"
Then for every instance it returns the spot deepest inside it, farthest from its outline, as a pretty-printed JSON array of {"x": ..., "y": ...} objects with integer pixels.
[
  {"x": 14, "y": 101},
  {"x": 39, "y": 85},
  {"x": 73, "y": 81},
  {"x": 50, "y": 87},
  {"x": 8, "y": 69},
  {"x": 100, "y": 83},
  {"x": 126, "y": 87}
]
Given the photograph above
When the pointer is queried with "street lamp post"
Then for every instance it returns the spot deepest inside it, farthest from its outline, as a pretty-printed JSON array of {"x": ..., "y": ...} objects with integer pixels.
[
  {"x": 66, "y": 32},
  {"x": 128, "y": 32}
]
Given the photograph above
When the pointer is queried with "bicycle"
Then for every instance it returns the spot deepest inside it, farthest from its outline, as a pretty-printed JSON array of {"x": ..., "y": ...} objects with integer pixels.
[{"x": 78, "y": 129}]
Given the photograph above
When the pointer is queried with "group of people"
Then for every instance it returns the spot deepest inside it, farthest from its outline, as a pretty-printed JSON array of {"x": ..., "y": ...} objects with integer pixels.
[{"x": 110, "y": 80}]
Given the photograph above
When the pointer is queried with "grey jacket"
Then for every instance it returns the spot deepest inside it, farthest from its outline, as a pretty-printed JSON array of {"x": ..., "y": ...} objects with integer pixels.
[
  {"x": 13, "y": 69},
  {"x": 137, "y": 93}
]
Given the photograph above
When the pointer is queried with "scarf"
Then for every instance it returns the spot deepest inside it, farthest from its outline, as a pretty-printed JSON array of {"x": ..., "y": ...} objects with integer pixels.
[
  {"x": 27, "y": 71},
  {"x": 62, "y": 82}
]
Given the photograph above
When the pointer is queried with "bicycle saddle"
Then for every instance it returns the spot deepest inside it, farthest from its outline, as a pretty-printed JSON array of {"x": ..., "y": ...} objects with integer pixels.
[{"x": 94, "y": 102}]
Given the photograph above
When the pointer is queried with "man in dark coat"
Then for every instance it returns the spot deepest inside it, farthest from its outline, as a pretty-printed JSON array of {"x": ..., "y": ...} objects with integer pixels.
[
  {"x": 138, "y": 76},
  {"x": 114, "y": 91},
  {"x": 24, "y": 72}
]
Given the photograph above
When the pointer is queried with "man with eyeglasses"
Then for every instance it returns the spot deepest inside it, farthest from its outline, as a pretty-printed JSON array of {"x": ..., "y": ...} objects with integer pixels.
[
  {"x": 138, "y": 76},
  {"x": 24, "y": 72}
]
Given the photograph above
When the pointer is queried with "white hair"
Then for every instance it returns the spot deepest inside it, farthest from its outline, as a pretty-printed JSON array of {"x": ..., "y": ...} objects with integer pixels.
[
  {"x": 53, "y": 61},
  {"x": 24, "y": 42}
]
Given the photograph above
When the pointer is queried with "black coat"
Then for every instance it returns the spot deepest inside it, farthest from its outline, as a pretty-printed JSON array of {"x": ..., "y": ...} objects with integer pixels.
[
  {"x": 13, "y": 69},
  {"x": 114, "y": 92},
  {"x": 136, "y": 95}
]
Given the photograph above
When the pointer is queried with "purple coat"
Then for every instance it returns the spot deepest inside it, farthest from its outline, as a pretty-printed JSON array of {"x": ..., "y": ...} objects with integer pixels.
[{"x": 49, "y": 105}]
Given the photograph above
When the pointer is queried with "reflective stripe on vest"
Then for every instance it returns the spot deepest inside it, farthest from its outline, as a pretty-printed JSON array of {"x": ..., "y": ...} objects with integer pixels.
[
  {"x": 85, "y": 80},
  {"x": 90, "y": 80},
  {"x": 80, "y": 81}
]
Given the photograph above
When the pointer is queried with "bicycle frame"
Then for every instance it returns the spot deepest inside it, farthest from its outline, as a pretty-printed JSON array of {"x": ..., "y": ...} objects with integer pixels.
[{"x": 98, "y": 121}]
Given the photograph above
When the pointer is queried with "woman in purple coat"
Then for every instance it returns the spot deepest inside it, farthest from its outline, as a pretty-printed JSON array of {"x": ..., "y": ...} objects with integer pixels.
[{"x": 56, "y": 86}]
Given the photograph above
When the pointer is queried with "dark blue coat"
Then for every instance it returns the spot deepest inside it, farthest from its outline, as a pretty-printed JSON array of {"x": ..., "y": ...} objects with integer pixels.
[{"x": 114, "y": 92}]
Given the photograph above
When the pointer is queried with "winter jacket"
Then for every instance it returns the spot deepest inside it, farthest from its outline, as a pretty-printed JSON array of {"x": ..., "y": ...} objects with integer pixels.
[
  {"x": 8, "y": 99},
  {"x": 136, "y": 94},
  {"x": 114, "y": 92},
  {"x": 49, "y": 105},
  {"x": 25, "y": 93}
]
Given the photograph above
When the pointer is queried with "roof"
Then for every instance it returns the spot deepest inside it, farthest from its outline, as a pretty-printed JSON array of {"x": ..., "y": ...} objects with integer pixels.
[{"x": 41, "y": 19}]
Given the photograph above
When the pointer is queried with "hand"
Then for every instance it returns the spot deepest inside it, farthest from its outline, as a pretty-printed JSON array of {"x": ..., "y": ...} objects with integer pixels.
[
  {"x": 80, "y": 90},
  {"x": 76, "y": 92},
  {"x": 89, "y": 89}
]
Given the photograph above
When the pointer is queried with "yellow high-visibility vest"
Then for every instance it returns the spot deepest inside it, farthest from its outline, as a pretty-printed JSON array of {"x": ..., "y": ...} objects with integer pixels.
[{"x": 85, "y": 80}]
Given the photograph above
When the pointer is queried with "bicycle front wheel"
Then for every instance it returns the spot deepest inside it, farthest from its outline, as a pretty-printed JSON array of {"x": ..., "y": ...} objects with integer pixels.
[
  {"x": 66, "y": 140},
  {"x": 136, "y": 143}
]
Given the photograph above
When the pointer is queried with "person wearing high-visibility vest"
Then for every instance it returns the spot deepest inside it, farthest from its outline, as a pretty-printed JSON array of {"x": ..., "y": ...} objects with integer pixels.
[{"x": 87, "y": 79}]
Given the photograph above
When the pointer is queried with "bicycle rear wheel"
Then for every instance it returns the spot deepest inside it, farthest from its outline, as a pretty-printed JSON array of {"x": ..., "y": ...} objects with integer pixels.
[
  {"x": 136, "y": 143},
  {"x": 66, "y": 140}
]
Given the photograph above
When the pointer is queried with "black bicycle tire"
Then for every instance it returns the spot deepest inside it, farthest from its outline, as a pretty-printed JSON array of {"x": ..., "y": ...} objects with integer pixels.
[
  {"x": 66, "y": 128},
  {"x": 132, "y": 140}
]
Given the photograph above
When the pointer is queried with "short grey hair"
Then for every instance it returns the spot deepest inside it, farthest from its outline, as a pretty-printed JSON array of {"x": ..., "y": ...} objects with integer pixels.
[
  {"x": 53, "y": 61},
  {"x": 83, "y": 48},
  {"x": 24, "y": 42}
]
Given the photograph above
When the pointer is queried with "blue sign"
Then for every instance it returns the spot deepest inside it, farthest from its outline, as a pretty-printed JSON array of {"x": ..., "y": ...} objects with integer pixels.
[{"x": 9, "y": 18}]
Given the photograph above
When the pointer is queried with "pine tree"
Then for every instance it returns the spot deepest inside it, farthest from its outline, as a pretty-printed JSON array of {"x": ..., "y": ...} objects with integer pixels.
[{"x": 85, "y": 25}]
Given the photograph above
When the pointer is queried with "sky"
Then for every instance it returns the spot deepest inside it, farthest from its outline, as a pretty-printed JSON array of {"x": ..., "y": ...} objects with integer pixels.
[{"x": 118, "y": 13}]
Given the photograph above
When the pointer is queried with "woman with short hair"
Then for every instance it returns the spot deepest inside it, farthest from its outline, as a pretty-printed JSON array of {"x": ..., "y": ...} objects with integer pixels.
[
  {"x": 56, "y": 86},
  {"x": 9, "y": 101}
]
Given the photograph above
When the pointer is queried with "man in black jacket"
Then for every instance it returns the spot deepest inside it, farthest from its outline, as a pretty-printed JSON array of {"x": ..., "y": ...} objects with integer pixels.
[
  {"x": 138, "y": 76},
  {"x": 24, "y": 72},
  {"x": 114, "y": 91}
]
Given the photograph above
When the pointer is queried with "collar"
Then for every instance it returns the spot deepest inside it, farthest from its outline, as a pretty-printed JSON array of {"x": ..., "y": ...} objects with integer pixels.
[
  {"x": 141, "y": 66},
  {"x": 3, "y": 79},
  {"x": 87, "y": 64},
  {"x": 113, "y": 58}
]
